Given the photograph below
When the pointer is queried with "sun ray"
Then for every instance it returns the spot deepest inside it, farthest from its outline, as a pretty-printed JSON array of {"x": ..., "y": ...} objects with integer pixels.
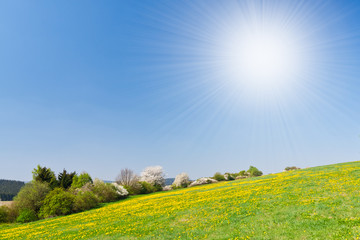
[{"x": 251, "y": 67}]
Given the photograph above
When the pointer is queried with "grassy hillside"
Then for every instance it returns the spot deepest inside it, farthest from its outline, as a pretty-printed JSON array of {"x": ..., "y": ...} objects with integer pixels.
[{"x": 314, "y": 203}]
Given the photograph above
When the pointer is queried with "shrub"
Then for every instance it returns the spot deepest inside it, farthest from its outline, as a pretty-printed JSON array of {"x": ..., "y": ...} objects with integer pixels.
[
  {"x": 31, "y": 196},
  {"x": 234, "y": 175},
  {"x": 12, "y": 212},
  {"x": 133, "y": 190},
  {"x": 203, "y": 180},
  {"x": 87, "y": 187},
  {"x": 58, "y": 202},
  {"x": 218, "y": 177},
  {"x": 3, "y": 214},
  {"x": 129, "y": 180},
  {"x": 26, "y": 215},
  {"x": 254, "y": 172},
  {"x": 104, "y": 192},
  {"x": 181, "y": 180},
  {"x": 120, "y": 190},
  {"x": 229, "y": 177},
  {"x": 158, "y": 187},
  {"x": 147, "y": 188},
  {"x": 154, "y": 176},
  {"x": 84, "y": 200},
  {"x": 168, "y": 188},
  {"x": 291, "y": 168},
  {"x": 242, "y": 173},
  {"x": 81, "y": 180}
]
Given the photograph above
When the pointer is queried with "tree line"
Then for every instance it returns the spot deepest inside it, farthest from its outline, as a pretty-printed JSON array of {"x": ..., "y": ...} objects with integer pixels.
[{"x": 49, "y": 195}]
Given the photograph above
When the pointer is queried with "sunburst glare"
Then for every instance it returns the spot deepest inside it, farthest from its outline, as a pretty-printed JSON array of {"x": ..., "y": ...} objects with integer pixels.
[
  {"x": 252, "y": 69},
  {"x": 261, "y": 60},
  {"x": 263, "y": 57}
]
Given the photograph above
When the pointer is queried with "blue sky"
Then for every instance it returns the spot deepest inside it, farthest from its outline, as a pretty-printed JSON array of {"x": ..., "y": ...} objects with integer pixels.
[{"x": 98, "y": 86}]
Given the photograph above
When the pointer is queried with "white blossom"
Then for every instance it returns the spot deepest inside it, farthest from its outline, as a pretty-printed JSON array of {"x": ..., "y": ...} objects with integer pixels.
[
  {"x": 181, "y": 180},
  {"x": 120, "y": 190},
  {"x": 202, "y": 181},
  {"x": 153, "y": 175}
]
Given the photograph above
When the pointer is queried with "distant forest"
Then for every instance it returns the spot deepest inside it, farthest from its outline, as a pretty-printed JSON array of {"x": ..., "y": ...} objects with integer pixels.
[{"x": 9, "y": 189}]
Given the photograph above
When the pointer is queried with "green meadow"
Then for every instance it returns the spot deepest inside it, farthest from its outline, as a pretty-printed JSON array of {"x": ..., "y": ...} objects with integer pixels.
[{"x": 313, "y": 203}]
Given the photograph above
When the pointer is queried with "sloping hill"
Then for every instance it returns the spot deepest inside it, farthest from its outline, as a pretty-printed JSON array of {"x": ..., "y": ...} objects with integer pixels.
[{"x": 313, "y": 203}]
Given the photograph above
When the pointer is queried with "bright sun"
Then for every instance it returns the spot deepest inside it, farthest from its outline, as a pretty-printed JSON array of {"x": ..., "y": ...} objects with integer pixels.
[
  {"x": 265, "y": 56},
  {"x": 261, "y": 60}
]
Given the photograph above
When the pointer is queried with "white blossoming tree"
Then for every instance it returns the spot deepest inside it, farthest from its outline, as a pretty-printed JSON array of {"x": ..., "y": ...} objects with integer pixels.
[
  {"x": 181, "y": 180},
  {"x": 120, "y": 190},
  {"x": 153, "y": 175}
]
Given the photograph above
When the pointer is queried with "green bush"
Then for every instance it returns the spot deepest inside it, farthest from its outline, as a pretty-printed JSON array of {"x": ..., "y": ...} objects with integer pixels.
[
  {"x": 3, "y": 214},
  {"x": 242, "y": 173},
  {"x": 13, "y": 213},
  {"x": 134, "y": 189},
  {"x": 234, "y": 175},
  {"x": 31, "y": 196},
  {"x": 58, "y": 202},
  {"x": 158, "y": 187},
  {"x": 291, "y": 168},
  {"x": 147, "y": 188},
  {"x": 26, "y": 215},
  {"x": 173, "y": 186},
  {"x": 219, "y": 177},
  {"x": 8, "y": 213},
  {"x": 84, "y": 200},
  {"x": 81, "y": 180},
  {"x": 254, "y": 172},
  {"x": 229, "y": 177},
  {"x": 105, "y": 192}
]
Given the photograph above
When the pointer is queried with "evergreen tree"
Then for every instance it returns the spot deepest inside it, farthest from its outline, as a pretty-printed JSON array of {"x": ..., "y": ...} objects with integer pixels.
[
  {"x": 44, "y": 174},
  {"x": 65, "y": 179}
]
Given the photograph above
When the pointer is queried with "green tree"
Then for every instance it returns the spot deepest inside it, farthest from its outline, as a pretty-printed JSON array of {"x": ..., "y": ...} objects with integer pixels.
[
  {"x": 219, "y": 177},
  {"x": 254, "y": 172},
  {"x": 81, "y": 180},
  {"x": 58, "y": 202},
  {"x": 31, "y": 196},
  {"x": 65, "y": 179},
  {"x": 44, "y": 174}
]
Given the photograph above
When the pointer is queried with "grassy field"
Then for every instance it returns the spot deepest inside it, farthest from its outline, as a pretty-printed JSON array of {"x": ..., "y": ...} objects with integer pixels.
[
  {"x": 314, "y": 203},
  {"x": 5, "y": 203}
]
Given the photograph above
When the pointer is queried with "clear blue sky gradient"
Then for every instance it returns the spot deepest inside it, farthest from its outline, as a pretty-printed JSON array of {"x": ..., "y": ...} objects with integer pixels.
[{"x": 97, "y": 86}]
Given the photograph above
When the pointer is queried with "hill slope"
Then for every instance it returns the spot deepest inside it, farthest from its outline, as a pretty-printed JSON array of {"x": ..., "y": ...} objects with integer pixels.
[{"x": 313, "y": 203}]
